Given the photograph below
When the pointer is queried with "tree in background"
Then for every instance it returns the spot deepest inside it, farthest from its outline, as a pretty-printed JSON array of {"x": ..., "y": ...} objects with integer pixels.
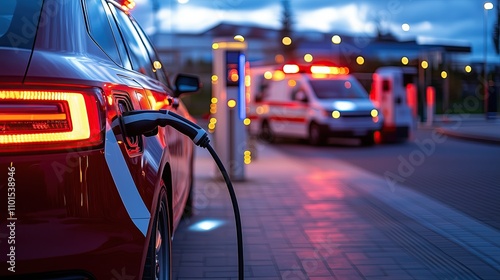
[{"x": 288, "y": 51}]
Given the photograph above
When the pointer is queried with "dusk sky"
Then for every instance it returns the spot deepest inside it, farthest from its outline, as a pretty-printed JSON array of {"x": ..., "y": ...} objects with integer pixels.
[{"x": 458, "y": 22}]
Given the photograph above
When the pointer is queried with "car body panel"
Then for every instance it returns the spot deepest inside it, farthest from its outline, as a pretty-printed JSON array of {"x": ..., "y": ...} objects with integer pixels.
[
  {"x": 13, "y": 70},
  {"x": 89, "y": 210}
]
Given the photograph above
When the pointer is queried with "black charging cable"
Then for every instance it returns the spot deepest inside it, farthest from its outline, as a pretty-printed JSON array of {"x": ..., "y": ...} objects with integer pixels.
[
  {"x": 144, "y": 121},
  {"x": 236, "y": 210}
]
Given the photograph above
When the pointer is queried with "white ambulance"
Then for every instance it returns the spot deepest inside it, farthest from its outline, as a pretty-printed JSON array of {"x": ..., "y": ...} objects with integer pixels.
[
  {"x": 394, "y": 92},
  {"x": 312, "y": 102}
]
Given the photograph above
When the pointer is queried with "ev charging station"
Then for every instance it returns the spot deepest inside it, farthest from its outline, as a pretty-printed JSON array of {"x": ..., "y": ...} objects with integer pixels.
[{"x": 228, "y": 107}]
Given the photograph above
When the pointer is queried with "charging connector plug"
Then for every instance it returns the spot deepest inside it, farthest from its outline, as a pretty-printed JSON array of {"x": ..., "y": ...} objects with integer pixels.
[{"x": 143, "y": 121}]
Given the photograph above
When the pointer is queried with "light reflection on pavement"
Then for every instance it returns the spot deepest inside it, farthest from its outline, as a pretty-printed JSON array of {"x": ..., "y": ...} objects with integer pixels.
[{"x": 327, "y": 219}]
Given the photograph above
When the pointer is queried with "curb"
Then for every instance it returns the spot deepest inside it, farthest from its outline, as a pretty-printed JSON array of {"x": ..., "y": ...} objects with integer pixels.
[{"x": 470, "y": 137}]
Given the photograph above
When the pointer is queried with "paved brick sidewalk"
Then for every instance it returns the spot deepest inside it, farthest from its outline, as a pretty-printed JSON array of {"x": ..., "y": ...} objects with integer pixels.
[{"x": 324, "y": 219}]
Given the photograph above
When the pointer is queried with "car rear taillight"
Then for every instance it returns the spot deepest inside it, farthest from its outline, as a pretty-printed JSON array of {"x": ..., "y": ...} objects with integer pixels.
[{"x": 48, "y": 120}]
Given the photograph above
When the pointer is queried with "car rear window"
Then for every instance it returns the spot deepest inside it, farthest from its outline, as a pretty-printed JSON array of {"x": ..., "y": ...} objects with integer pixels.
[
  {"x": 100, "y": 29},
  {"x": 338, "y": 89},
  {"x": 18, "y": 23}
]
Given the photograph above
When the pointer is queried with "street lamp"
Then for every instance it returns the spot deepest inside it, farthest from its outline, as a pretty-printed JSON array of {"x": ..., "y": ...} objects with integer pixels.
[
  {"x": 287, "y": 41},
  {"x": 336, "y": 40},
  {"x": 405, "y": 27},
  {"x": 487, "y": 6}
]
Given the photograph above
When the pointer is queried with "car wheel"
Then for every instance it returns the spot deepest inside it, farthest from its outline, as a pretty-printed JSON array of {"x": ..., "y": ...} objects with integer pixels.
[
  {"x": 315, "y": 136},
  {"x": 266, "y": 133},
  {"x": 158, "y": 262}
]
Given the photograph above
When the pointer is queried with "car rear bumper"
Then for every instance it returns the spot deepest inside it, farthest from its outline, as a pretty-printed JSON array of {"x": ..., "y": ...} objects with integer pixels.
[{"x": 65, "y": 216}]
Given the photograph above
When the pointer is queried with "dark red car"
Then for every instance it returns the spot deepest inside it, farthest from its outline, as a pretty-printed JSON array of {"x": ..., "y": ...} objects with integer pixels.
[{"x": 80, "y": 199}]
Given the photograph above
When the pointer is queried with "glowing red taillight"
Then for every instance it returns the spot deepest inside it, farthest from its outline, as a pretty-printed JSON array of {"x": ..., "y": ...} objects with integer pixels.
[{"x": 48, "y": 120}]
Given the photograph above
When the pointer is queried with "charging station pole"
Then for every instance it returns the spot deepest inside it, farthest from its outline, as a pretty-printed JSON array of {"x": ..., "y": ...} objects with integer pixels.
[{"x": 228, "y": 106}]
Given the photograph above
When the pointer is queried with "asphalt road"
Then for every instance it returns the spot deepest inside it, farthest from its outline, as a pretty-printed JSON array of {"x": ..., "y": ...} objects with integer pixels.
[{"x": 464, "y": 175}]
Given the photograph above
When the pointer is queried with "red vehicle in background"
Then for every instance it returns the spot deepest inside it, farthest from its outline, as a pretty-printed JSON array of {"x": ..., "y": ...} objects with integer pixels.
[{"x": 80, "y": 198}]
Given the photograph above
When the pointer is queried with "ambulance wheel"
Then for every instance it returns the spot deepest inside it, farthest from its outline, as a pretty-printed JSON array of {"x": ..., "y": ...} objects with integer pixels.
[
  {"x": 158, "y": 261},
  {"x": 315, "y": 136},
  {"x": 266, "y": 133},
  {"x": 368, "y": 140}
]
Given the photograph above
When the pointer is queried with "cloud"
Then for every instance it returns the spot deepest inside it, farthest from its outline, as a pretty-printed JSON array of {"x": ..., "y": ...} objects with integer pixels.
[
  {"x": 350, "y": 18},
  {"x": 233, "y": 5},
  {"x": 198, "y": 18},
  {"x": 269, "y": 16},
  {"x": 441, "y": 19},
  {"x": 422, "y": 27}
]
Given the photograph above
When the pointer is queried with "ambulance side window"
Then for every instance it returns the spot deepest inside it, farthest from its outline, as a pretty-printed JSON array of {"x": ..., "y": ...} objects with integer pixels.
[
  {"x": 262, "y": 89},
  {"x": 299, "y": 94},
  {"x": 296, "y": 91}
]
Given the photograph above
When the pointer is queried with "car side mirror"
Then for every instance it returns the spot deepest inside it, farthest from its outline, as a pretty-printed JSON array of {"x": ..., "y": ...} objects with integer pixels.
[{"x": 186, "y": 84}]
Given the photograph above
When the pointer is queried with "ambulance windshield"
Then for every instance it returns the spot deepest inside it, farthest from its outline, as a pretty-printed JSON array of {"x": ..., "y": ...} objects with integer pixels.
[{"x": 338, "y": 89}]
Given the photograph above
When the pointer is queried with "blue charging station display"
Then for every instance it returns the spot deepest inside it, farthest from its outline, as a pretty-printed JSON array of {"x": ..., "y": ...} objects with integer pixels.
[
  {"x": 235, "y": 77},
  {"x": 228, "y": 106},
  {"x": 232, "y": 68}
]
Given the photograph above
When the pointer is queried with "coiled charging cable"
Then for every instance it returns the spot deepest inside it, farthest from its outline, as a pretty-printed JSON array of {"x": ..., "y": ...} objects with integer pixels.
[{"x": 144, "y": 122}]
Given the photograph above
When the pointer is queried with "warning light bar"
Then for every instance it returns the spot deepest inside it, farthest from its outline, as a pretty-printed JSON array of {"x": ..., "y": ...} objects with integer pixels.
[
  {"x": 332, "y": 70},
  {"x": 127, "y": 5},
  {"x": 39, "y": 120},
  {"x": 315, "y": 69},
  {"x": 291, "y": 68}
]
